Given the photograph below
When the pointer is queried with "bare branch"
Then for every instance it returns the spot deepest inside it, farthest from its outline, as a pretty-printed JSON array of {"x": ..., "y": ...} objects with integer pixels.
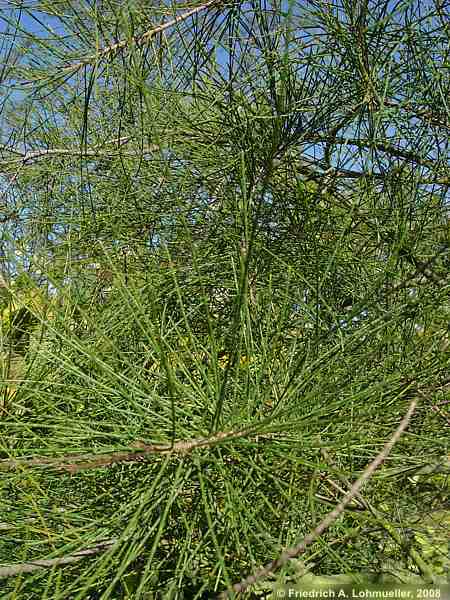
[
  {"x": 287, "y": 555},
  {"x": 96, "y": 152},
  {"x": 139, "y": 40},
  {"x": 77, "y": 462},
  {"x": 383, "y": 146},
  {"x": 35, "y": 565}
]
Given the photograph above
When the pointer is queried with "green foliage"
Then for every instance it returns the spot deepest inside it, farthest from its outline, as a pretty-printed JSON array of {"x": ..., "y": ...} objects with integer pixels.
[{"x": 227, "y": 243}]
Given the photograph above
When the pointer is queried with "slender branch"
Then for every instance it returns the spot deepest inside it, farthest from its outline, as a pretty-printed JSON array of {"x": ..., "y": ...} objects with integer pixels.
[
  {"x": 139, "y": 40},
  {"x": 422, "y": 565},
  {"x": 440, "y": 120},
  {"x": 95, "y": 152},
  {"x": 312, "y": 168},
  {"x": 77, "y": 462},
  {"x": 287, "y": 555},
  {"x": 383, "y": 146},
  {"x": 29, "y": 567}
]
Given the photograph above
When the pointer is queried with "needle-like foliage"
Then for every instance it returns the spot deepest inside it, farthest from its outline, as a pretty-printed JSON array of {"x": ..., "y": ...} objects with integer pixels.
[{"x": 224, "y": 277}]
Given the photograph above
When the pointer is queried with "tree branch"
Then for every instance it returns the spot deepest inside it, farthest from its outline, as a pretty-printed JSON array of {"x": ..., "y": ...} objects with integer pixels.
[
  {"x": 77, "y": 462},
  {"x": 287, "y": 555},
  {"x": 29, "y": 567},
  {"x": 139, "y": 40}
]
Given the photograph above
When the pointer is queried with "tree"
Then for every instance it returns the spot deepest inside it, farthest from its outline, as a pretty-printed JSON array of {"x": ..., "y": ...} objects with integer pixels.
[{"x": 239, "y": 214}]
